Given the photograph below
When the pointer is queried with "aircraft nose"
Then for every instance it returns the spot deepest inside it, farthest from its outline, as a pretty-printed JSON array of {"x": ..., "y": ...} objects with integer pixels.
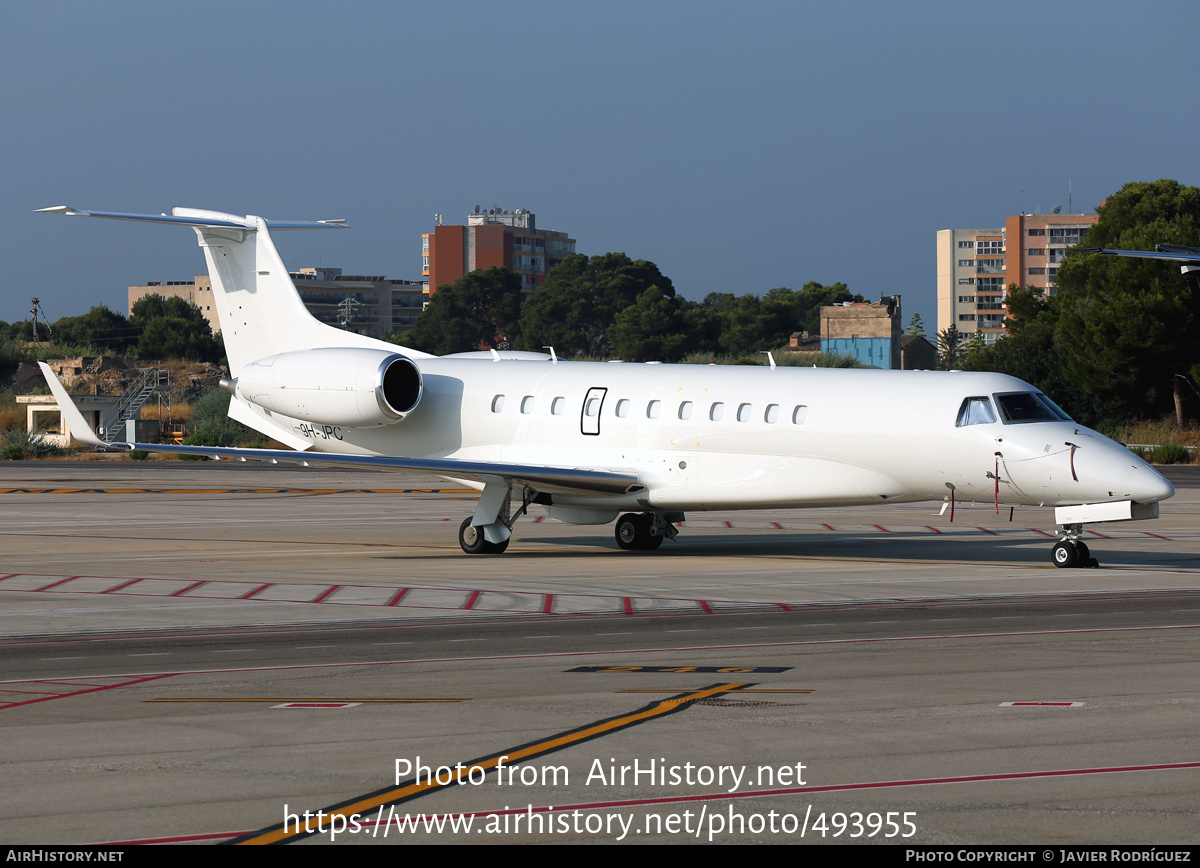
[{"x": 1147, "y": 485}]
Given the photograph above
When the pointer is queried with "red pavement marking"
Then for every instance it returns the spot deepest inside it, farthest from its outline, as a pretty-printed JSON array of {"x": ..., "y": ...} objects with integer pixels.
[
  {"x": 190, "y": 587},
  {"x": 89, "y": 690},
  {"x": 59, "y": 582}
]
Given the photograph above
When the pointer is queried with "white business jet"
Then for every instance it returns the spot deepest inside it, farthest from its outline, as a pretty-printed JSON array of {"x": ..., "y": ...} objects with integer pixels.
[{"x": 640, "y": 443}]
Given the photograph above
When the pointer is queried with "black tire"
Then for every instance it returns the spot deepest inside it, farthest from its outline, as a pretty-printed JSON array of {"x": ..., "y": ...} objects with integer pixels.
[
  {"x": 490, "y": 548},
  {"x": 629, "y": 531},
  {"x": 471, "y": 538},
  {"x": 1064, "y": 554},
  {"x": 1083, "y": 554}
]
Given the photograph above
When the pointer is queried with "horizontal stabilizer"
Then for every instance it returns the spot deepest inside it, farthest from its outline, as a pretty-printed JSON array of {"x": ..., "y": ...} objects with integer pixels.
[
  {"x": 1168, "y": 252},
  {"x": 196, "y": 217}
]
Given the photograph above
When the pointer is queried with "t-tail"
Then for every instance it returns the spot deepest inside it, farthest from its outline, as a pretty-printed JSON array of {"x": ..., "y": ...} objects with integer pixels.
[{"x": 261, "y": 313}]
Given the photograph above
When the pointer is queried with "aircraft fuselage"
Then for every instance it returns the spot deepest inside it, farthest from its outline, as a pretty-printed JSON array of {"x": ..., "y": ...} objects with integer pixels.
[{"x": 729, "y": 437}]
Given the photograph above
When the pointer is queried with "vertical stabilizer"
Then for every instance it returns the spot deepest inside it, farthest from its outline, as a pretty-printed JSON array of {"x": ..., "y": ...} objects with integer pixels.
[{"x": 259, "y": 309}]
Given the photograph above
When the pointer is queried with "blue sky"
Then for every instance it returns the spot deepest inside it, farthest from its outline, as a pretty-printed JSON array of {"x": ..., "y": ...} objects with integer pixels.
[{"x": 739, "y": 146}]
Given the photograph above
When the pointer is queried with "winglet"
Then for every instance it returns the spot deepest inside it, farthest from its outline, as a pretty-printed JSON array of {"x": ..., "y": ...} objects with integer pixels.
[{"x": 76, "y": 424}]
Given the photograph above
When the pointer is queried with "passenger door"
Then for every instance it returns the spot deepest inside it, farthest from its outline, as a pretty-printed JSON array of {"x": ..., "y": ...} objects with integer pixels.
[{"x": 593, "y": 402}]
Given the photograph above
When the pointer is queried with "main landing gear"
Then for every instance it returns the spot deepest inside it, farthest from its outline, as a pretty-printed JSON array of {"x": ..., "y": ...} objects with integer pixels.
[
  {"x": 1071, "y": 551},
  {"x": 472, "y": 540},
  {"x": 643, "y": 531},
  {"x": 489, "y": 530}
]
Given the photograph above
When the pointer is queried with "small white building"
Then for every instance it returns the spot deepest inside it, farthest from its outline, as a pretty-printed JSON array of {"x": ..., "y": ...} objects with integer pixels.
[{"x": 44, "y": 419}]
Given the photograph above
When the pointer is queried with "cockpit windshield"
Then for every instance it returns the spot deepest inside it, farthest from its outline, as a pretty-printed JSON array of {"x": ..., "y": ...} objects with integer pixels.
[
  {"x": 1018, "y": 407},
  {"x": 976, "y": 411}
]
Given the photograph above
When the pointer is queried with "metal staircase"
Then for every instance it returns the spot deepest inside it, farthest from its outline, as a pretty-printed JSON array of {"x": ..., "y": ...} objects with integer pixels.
[{"x": 148, "y": 382}]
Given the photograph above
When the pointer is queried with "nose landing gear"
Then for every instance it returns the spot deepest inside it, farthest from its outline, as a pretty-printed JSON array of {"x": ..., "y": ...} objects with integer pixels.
[{"x": 1071, "y": 551}]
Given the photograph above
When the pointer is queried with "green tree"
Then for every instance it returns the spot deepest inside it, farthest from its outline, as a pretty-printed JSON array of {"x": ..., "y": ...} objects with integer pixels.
[
  {"x": 173, "y": 328},
  {"x": 1126, "y": 326},
  {"x": 977, "y": 343},
  {"x": 480, "y": 310},
  {"x": 950, "y": 347},
  {"x": 916, "y": 326},
  {"x": 654, "y": 328},
  {"x": 750, "y": 324},
  {"x": 577, "y": 306},
  {"x": 100, "y": 328},
  {"x": 211, "y": 425}
]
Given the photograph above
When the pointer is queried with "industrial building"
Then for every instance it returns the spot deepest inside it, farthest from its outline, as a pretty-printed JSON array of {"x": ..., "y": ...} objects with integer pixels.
[
  {"x": 868, "y": 332},
  {"x": 365, "y": 304}
]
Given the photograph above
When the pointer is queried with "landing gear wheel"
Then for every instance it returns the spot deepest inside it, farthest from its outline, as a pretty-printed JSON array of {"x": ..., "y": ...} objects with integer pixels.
[
  {"x": 473, "y": 541},
  {"x": 630, "y": 530},
  {"x": 471, "y": 538},
  {"x": 1085, "y": 556},
  {"x": 634, "y": 532},
  {"x": 1064, "y": 554}
]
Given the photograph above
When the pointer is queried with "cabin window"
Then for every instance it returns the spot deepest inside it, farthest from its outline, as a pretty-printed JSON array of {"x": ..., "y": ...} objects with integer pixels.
[
  {"x": 593, "y": 407},
  {"x": 623, "y": 407},
  {"x": 497, "y": 403},
  {"x": 772, "y": 414},
  {"x": 557, "y": 405},
  {"x": 716, "y": 411},
  {"x": 799, "y": 414},
  {"x": 975, "y": 411},
  {"x": 527, "y": 404},
  {"x": 652, "y": 409},
  {"x": 685, "y": 410},
  {"x": 744, "y": 413}
]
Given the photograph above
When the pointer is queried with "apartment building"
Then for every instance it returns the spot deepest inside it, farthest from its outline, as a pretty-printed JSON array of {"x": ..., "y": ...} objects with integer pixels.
[
  {"x": 509, "y": 239},
  {"x": 976, "y": 266},
  {"x": 971, "y": 281}
]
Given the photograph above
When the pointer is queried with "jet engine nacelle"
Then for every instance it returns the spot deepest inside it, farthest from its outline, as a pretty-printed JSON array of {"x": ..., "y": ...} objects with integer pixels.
[{"x": 358, "y": 388}]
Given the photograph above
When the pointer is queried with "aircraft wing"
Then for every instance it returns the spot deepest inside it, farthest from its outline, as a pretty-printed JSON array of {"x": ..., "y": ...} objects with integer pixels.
[
  {"x": 558, "y": 480},
  {"x": 1169, "y": 252}
]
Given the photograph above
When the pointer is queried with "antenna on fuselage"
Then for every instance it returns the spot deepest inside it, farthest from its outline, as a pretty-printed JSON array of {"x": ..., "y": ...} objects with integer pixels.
[
  {"x": 770, "y": 358},
  {"x": 553, "y": 355}
]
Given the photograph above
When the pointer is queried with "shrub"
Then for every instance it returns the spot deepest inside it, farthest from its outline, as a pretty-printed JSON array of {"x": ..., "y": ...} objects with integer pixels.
[
  {"x": 211, "y": 425},
  {"x": 1170, "y": 454},
  {"x": 19, "y": 443}
]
